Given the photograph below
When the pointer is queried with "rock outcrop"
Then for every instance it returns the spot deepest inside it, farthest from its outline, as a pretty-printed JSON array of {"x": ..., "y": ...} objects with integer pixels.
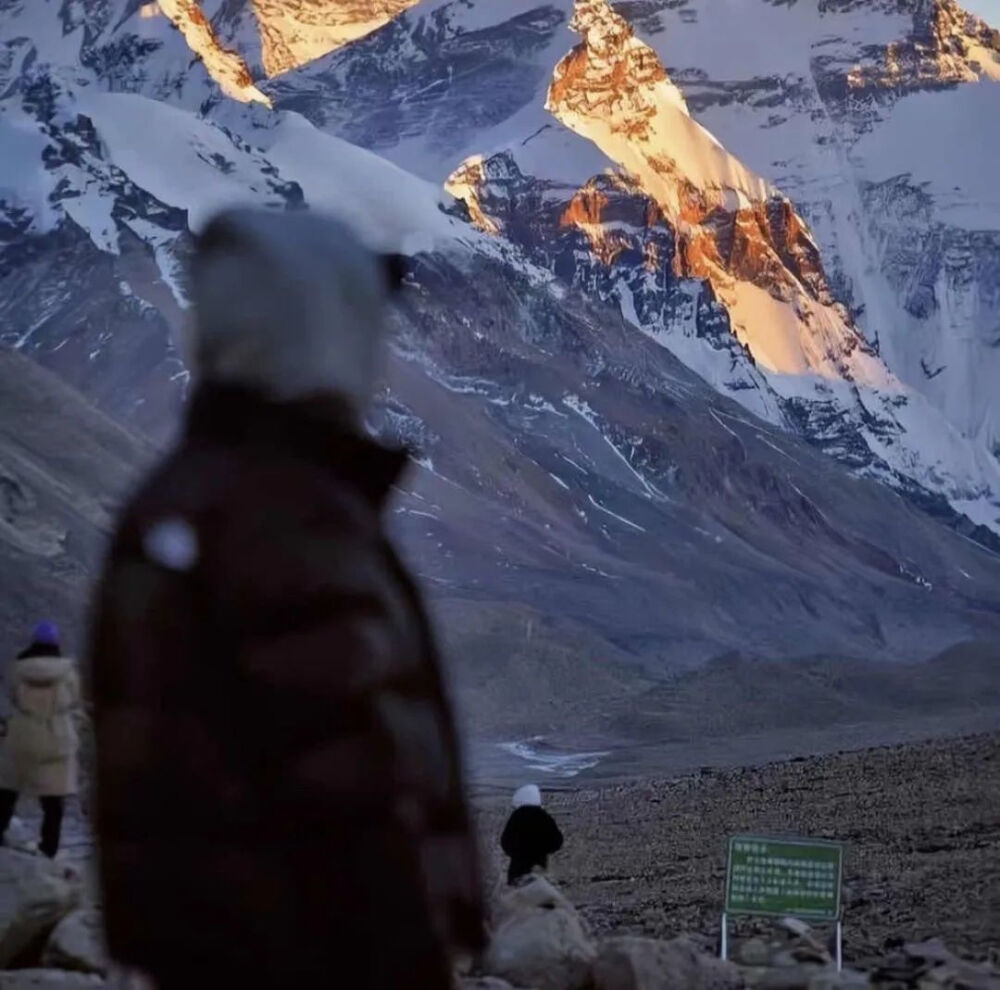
[
  {"x": 226, "y": 67},
  {"x": 77, "y": 943},
  {"x": 630, "y": 963},
  {"x": 35, "y": 895},
  {"x": 930, "y": 965},
  {"x": 540, "y": 940},
  {"x": 733, "y": 230},
  {"x": 293, "y": 32}
]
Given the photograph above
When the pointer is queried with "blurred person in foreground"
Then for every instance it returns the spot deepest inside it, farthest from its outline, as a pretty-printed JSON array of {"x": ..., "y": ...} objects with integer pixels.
[
  {"x": 39, "y": 755},
  {"x": 279, "y": 793}
]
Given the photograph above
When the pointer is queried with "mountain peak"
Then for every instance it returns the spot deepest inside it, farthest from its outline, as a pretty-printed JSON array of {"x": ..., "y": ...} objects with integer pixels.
[
  {"x": 611, "y": 73},
  {"x": 732, "y": 228},
  {"x": 612, "y": 88},
  {"x": 293, "y": 32},
  {"x": 946, "y": 45},
  {"x": 226, "y": 67},
  {"x": 247, "y": 39}
]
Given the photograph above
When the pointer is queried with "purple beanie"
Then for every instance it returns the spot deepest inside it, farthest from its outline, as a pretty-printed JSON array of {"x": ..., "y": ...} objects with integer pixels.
[{"x": 46, "y": 634}]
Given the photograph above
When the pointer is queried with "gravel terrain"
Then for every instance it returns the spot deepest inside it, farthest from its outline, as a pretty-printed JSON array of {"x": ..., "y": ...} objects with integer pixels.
[{"x": 921, "y": 823}]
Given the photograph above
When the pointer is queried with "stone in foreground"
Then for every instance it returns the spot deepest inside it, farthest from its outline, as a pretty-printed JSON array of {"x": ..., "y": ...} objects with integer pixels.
[
  {"x": 35, "y": 895},
  {"x": 540, "y": 940},
  {"x": 77, "y": 944},
  {"x": 48, "y": 979},
  {"x": 632, "y": 963}
]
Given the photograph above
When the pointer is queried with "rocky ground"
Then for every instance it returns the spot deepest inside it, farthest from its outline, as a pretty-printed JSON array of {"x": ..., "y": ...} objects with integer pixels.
[
  {"x": 639, "y": 885},
  {"x": 921, "y": 824}
]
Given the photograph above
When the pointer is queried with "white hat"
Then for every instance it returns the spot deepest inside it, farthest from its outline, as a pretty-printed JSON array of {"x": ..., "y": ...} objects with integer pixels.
[{"x": 527, "y": 796}]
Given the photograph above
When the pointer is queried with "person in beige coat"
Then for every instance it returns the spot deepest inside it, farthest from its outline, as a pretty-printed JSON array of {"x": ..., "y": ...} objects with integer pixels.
[{"x": 39, "y": 752}]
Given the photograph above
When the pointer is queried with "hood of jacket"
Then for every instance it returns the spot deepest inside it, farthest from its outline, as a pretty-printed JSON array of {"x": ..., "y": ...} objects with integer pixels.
[{"x": 291, "y": 304}]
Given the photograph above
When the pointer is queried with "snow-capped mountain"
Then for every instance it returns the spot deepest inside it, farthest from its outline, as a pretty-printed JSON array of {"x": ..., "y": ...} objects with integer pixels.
[
  {"x": 620, "y": 344},
  {"x": 105, "y": 147},
  {"x": 278, "y": 35},
  {"x": 240, "y": 41},
  {"x": 795, "y": 350},
  {"x": 881, "y": 121}
]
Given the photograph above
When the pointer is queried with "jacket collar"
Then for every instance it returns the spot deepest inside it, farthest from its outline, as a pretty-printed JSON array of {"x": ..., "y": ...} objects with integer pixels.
[
  {"x": 321, "y": 428},
  {"x": 39, "y": 650},
  {"x": 43, "y": 667}
]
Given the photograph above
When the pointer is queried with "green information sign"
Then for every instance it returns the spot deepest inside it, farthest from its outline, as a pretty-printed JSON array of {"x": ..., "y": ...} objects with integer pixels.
[{"x": 795, "y": 877}]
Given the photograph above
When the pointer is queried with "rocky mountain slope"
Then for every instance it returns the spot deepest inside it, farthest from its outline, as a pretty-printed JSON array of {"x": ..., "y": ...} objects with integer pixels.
[
  {"x": 870, "y": 118},
  {"x": 63, "y": 467},
  {"x": 278, "y": 35},
  {"x": 611, "y": 484},
  {"x": 793, "y": 350},
  {"x": 854, "y": 84},
  {"x": 862, "y": 77}
]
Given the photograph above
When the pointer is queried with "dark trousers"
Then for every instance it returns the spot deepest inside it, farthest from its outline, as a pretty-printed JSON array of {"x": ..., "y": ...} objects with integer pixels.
[{"x": 52, "y": 816}]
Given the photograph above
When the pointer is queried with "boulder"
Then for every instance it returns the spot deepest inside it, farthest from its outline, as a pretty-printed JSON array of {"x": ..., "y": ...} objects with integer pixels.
[
  {"x": 537, "y": 892},
  {"x": 48, "y": 979},
  {"x": 803, "y": 952},
  {"x": 631, "y": 963},
  {"x": 789, "y": 977},
  {"x": 755, "y": 952},
  {"x": 540, "y": 940},
  {"x": 799, "y": 958},
  {"x": 77, "y": 943},
  {"x": 123, "y": 978},
  {"x": 805, "y": 945},
  {"x": 21, "y": 836},
  {"x": 35, "y": 895},
  {"x": 932, "y": 951},
  {"x": 931, "y": 965},
  {"x": 846, "y": 979}
]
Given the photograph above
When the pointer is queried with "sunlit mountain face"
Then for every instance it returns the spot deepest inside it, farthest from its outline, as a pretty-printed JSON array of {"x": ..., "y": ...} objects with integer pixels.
[
  {"x": 776, "y": 177},
  {"x": 699, "y": 346}
]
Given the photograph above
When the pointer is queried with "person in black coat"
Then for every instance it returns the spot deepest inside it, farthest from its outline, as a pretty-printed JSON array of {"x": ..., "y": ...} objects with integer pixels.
[
  {"x": 279, "y": 774},
  {"x": 530, "y": 835}
]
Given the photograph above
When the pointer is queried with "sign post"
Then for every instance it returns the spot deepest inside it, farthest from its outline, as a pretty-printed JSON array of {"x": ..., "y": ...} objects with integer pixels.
[{"x": 798, "y": 878}]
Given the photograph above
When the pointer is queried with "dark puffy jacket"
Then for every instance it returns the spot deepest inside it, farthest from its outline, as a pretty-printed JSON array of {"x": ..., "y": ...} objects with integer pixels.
[
  {"x": 278, "y": 774},
  {"x": 529, "y": 838}
]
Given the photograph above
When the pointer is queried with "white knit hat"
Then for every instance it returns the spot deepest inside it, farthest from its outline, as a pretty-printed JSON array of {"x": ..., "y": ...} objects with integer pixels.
[{"x": 527, "y": 796}]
